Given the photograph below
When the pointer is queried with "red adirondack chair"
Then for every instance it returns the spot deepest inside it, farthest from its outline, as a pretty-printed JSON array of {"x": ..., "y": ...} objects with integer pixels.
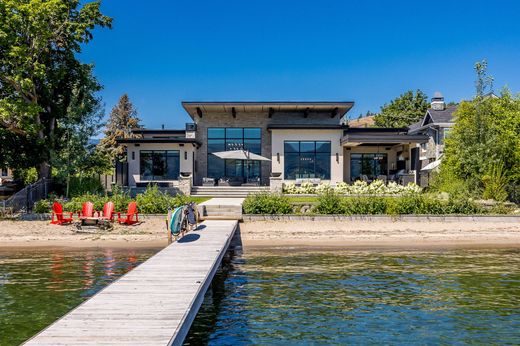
[
  {"x": 87, "y": 211},
  {"x": 108, "y": 212},
  {"x": 131, "y": 215},
  {"x": 57, "y": 210}
]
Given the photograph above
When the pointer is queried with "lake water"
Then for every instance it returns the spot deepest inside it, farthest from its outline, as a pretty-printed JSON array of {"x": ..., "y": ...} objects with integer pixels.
[
  {"x": 294, "y": 297},
  {"x": 363, "y": 297},
  {"x": 38, "y": 287}
]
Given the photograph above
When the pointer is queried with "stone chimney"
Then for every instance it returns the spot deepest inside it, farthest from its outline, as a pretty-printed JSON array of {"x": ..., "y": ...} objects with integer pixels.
[{"x": 438, "y": 102}]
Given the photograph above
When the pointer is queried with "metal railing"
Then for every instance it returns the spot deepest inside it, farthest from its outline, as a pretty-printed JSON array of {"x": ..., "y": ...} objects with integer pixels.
[{"x": 23, "y": 200}]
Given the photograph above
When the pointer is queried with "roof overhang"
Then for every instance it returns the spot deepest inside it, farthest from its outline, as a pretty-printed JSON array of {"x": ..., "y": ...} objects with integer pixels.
[
  {"x": 431, "y": 125},
  {"x": 306, "y": 127},
  {"x": 159, "y": 132},
  {"x": 332, "y": 109},
  {"x": 157, "y": 140},
  {"x": 355, "y": 139}
]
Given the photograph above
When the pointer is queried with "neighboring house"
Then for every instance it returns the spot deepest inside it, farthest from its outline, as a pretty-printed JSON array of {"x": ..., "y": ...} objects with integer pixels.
[
  {"x": 303, "y": 140},
  {"x": 6, "y": 175},
  {"x": 436, "y": 124}
]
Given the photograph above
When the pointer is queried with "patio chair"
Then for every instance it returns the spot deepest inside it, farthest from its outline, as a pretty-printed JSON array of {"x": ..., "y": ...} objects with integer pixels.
[
  {"x": 132, "y": 216},
  {"x": 382, "y": 177},
  {"x": 57, "y": 210},
  {"x": 108, "y": 212},
  {"x": 87, "y": 211},
  {"x": 208, "y": 181}
]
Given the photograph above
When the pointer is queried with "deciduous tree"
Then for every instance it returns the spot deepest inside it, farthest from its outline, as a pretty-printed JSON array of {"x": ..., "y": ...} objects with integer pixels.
[
  {"x": 41, "y": 77},
  {"x": 405, "y": 110}
]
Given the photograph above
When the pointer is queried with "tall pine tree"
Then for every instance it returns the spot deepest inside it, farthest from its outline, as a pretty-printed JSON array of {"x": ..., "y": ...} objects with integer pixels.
[{"x": 122, "y": 120}]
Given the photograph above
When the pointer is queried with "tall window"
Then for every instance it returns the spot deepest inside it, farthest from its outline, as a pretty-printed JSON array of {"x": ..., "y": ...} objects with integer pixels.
[
  {"x": 370, "y": 165},
  {"x": 307, "y": 159},
  {"x": 233, "y": 138},
  {"x": 159, "y": 164}
]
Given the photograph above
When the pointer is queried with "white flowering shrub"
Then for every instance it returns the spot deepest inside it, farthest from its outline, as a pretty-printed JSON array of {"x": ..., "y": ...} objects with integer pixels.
[
  {"x": 307, "y": 188},
  {"x": 342, "y": 188},
  {"x": 290, "y": 188},
  {"x": 359, "y": 187},
  {"x": 323, "y": 188}
]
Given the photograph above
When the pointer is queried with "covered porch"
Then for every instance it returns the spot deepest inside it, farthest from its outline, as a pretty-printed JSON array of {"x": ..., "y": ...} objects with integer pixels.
[{"x": 384, "y": 154}]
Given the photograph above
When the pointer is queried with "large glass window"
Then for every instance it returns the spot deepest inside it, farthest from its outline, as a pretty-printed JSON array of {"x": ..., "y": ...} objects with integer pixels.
[
  {"x": 233, "y": 138},
  {"x": 307, "y": 159},
  {"x": 370, "y": 165},
  {"x": 159, "y": 164}
]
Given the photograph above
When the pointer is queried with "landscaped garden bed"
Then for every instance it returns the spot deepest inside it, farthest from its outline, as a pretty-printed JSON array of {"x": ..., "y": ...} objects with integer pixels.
[
  {"x": 152, "y": 201},
  {"x": 331, "y": 203}
]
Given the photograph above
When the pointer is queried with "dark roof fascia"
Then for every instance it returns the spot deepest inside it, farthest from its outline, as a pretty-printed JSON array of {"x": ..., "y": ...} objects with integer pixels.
[
  {"x": 306, "y": 127},
  {"x": 347, "y": 104},
  {"x": 157, "y": 140},
  {"x": 374, "y": 138},
  {"x": 430, "y": 125},
  {"x": 159, "y": 131},
  {"x": 267, "y": 103},
  {"x": 377, "y": 129}
]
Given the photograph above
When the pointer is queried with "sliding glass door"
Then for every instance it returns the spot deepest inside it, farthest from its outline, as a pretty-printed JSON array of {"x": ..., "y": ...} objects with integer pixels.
[{"x": 371, "y": 165}]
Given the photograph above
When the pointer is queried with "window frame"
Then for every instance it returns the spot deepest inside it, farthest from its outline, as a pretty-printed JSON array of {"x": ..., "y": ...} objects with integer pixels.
[
  {"x": 165, "y": 154},
  {"x": 316, "y": 155}
]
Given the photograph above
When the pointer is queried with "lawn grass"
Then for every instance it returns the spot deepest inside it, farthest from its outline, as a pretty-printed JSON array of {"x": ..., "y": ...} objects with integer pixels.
[
  {"x": 197, "y": 199},
  {"x": 303, "y": 199}
]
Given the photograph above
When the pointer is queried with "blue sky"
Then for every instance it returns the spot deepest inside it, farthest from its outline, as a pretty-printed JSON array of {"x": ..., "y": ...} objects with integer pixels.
[{"x": 164, "y": 52}]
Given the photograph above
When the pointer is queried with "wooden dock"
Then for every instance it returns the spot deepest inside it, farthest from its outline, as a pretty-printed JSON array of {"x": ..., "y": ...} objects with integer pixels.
[{"x": 154, "y": 304}]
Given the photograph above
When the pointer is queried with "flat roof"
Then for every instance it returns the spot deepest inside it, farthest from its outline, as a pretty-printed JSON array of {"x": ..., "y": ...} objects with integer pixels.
[
  {"x": 158, "y": 140},
  {"x": 159, "y": 131},
  {"x": 196, "y": 109},
  {"x": 381, "y": 138},
  {"x": 306, "y": 127}
]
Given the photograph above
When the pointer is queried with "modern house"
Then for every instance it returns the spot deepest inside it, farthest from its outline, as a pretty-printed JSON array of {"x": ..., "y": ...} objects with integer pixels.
[{"x": 303, "y": 140}]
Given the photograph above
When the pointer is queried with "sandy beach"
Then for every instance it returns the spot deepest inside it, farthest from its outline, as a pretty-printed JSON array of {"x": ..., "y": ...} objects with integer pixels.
[
  {"x": 271, "y": 234},
  {"x": 373, "y": 234},
  {"x": 150, "y": 233}
]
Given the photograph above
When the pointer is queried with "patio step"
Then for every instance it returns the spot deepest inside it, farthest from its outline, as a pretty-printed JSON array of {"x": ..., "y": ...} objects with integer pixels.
[
  {"x": 227, "y": 191},
  {"x": 221, "y": 209}
]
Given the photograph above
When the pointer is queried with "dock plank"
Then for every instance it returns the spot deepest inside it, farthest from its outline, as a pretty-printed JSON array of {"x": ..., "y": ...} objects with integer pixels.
[{"x": 155, "y": 303}]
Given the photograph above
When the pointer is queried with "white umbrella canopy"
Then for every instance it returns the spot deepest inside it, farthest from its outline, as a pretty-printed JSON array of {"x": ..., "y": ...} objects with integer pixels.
[
  {"x": 432, "y": 165},
  {"x": 240, "y": 155}
]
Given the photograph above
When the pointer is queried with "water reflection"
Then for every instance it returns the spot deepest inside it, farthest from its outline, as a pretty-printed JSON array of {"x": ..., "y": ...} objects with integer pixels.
[
  {"x": 364, "y": 297},
  {"x": 36, "y": 288}
]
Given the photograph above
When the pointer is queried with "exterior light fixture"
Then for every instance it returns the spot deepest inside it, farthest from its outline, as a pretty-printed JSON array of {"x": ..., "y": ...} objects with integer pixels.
[
  {"x": 337, "y": 157},
  {"x": 185, "y": 155},
  {"x": 278, "y": 157}
]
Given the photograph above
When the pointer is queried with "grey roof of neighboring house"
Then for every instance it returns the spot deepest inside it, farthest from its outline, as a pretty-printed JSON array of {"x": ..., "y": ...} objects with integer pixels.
[
  {"x": 416, "y": 125},
  {"x": 444, "y": 116}
]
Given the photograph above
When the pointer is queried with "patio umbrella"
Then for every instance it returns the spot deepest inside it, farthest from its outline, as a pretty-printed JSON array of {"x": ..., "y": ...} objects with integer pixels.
[
  {"x": 432, "y": 165},
  {"x": 243, "y": 155}
]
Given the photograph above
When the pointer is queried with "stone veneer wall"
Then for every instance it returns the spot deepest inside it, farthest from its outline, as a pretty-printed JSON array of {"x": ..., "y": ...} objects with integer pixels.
[{"x": 248, "y": 119}]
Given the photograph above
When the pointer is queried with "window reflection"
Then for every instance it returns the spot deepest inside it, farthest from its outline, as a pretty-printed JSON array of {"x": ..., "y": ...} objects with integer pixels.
[{"x": 307, "y": 159}]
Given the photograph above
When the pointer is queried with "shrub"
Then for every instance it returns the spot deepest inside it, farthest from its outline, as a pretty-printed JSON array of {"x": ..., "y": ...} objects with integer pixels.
[
  {"x": 42, "y": 206},
  {"x": 79, "y": 186},
  {"x": 365, "y": 205},
  {"x": 495, "y": 183},
  {"x": 267, "y": 203},
  {"x": 377, "y": 187},
  {"x": 329, "y": 203}
]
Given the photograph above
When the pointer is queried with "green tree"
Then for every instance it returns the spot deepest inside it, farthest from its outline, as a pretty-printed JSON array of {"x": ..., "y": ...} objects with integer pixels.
[
  {"x": 41, "y": 77},
  {"x": 483, "y": 149},
  {"x": 122, "y": 120},
  {"x": 405, "y": 110}
]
